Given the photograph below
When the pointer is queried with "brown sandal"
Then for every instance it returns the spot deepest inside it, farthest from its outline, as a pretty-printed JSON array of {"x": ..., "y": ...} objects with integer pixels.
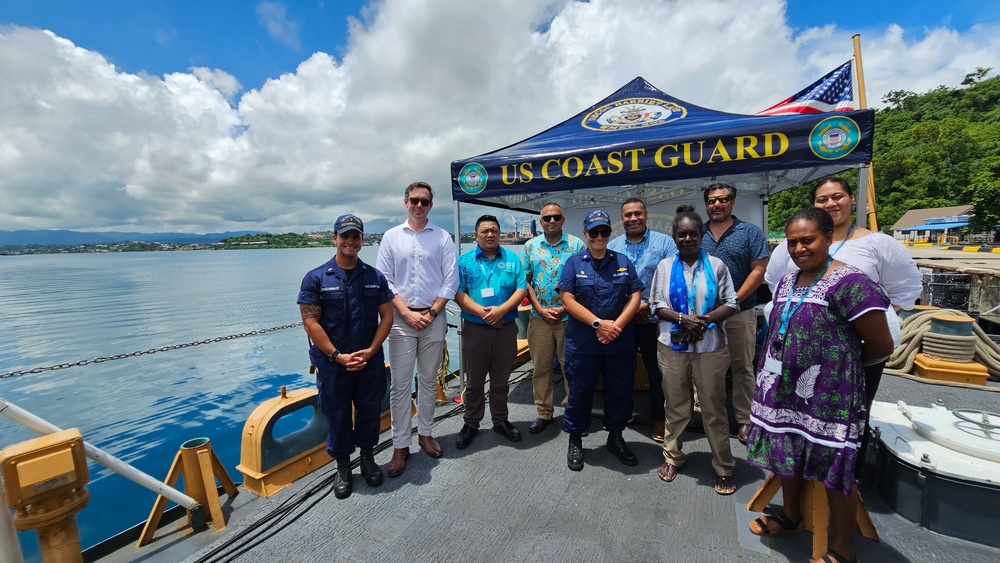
[
  {"x": 785, "y": 525},
  {"x": 725, "y": 485},
  {"x": 667, "y": 472}
]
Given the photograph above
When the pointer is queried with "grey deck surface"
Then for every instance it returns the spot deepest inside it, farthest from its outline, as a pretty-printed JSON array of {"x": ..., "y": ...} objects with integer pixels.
[{"x": 503, "y": 501}]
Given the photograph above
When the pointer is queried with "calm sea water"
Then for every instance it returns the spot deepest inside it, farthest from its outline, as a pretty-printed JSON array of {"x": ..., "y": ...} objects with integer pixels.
[{"x": 65, "y": 308}]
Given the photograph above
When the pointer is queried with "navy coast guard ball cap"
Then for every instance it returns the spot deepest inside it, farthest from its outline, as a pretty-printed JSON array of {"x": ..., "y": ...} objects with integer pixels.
[
  {"x": 348, "y": 223},
  {"x": 596, "y": 218}
]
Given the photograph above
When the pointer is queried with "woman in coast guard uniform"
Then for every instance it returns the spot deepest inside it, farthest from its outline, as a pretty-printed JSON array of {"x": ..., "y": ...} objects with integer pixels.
[{"x": 601, "y": 292}]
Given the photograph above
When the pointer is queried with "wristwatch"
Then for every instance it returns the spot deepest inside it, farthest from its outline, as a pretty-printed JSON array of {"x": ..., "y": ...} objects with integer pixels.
[
  {"x": 432, "y": 312},
  {"x": 332, "y": 356},
  {"x": 596, "y": 323}
]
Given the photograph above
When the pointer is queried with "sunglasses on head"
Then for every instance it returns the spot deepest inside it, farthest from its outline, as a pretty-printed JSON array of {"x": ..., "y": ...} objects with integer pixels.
[
  {"x": 604, "y": 232},
  {"x": 420, "y": 201},
  {"x": 551, "y": 218},
  {"x": 719, "y": 199}
]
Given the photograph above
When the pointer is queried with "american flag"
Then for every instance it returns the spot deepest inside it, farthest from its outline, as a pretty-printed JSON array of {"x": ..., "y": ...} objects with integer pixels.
[{"x": 833, "y": 92}]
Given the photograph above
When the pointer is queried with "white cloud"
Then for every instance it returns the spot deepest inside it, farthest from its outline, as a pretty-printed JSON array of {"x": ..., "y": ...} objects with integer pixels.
[
  {"x": 274, "y": 17},
  {"x": 421, "y": 83}
]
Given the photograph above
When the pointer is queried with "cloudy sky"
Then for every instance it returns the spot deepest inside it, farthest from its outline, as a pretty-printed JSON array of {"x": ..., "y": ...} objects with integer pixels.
[{"x": 201, "y": 116}]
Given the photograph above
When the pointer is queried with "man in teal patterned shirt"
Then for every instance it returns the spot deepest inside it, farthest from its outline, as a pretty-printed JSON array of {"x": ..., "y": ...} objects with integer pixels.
[{"x": 543, "y": 258}]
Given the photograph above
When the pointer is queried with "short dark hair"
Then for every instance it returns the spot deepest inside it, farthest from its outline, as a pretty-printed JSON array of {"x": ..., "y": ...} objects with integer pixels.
[
  {"x": 638, "y": 200},
  {"x": 686, "y": 211},
  {"x": 487, "y": 219},
  {"x": 830, "y": 180},
  {"x": 815, "y": 215},
  {"x": 415, "y": 185},
  {"x": 719, "y": 186}
]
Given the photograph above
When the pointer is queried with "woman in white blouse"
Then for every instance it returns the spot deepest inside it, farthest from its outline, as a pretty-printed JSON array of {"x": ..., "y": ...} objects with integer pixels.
[{"x": 886, "y": 261}]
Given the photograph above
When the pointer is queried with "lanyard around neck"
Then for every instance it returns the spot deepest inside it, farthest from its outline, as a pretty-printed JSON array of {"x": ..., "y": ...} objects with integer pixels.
[
  {"x": 847, "y": 236},
  {"x": 786, "y": 314}
]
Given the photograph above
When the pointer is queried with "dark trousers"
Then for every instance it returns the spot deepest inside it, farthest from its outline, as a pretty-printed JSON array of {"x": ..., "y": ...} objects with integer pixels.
[
  {"x": 338, "y": 390},
  {"x": 645, "y": 341},
  {"x": 873, "y": 376},
  {"x": 582, "y": 371},
  {"x": 487, "y": 350}
]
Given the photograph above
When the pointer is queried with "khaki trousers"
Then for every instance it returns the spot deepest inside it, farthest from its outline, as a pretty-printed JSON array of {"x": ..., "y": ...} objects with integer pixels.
[
  {"x": 741, "y": 331},
  {"x": 545, "y": 342},
  {"x": 708, "y": 371}
]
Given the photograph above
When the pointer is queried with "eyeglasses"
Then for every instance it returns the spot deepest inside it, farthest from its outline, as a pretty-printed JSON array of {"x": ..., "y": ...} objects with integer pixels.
[
  {"x": 415, "y": 201},
  {"x": 719, "y": 199},
  {"x": 603, "y": 232},
  {"x": 552, "y": 218}
]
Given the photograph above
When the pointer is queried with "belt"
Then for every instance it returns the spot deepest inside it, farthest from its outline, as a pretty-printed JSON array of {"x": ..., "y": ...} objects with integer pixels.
[{"x": 419, "y": 309}]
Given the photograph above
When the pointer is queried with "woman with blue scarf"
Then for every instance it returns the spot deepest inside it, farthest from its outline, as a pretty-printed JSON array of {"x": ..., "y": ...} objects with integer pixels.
[{"x": 692, "y": 293}]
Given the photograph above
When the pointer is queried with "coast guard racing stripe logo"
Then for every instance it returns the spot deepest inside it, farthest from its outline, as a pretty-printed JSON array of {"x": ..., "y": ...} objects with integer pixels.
[
  {"x": 472, "y": 178},
  {"x": 632, "y": 113},
  {"x": 834, "y": 137}
]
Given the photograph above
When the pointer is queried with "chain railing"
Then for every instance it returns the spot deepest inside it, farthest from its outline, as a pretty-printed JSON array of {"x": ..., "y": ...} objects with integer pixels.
[{"x": 137, "y": 353}]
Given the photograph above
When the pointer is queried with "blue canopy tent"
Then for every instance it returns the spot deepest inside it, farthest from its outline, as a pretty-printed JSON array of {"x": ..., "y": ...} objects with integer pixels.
[{"x": 642, "y": 142}]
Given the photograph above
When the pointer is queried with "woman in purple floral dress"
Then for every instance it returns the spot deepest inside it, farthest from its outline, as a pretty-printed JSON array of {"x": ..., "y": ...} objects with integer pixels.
[{"x": 808, "y": 412}]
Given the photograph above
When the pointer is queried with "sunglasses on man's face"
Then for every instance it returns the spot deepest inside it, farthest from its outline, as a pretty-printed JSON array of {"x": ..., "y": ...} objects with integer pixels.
[
  {"x": 603, "y": 232},
  {"x": 551, "y": 218},
  {"x": 415, "y": 201},
  {"x": 719, "y": 199}
]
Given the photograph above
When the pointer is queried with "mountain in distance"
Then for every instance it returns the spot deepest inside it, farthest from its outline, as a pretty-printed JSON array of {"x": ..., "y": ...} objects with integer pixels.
[{"x": 57, "y": 237}]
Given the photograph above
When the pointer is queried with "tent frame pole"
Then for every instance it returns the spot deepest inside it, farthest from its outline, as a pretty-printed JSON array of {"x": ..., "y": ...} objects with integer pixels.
[
  {"x": 866, "y": 197},
  {"x": 458, "y": 322}
]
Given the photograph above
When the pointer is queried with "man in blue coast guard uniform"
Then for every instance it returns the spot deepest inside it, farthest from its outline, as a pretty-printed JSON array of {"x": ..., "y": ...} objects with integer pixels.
[
  {"x": 346, "y": 310},
  {"x": 601, "y": 291}
]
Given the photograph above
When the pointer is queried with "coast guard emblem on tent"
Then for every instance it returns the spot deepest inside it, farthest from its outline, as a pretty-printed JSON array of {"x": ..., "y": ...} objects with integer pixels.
[
  {"x": 472, "y": 179},
  {"x": 630, "y": 113},
  {"x": 834, "y": 137}
]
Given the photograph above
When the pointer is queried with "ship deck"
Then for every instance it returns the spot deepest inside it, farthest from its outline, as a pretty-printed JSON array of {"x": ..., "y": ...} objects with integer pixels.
[{"x": 499, "y": 500}]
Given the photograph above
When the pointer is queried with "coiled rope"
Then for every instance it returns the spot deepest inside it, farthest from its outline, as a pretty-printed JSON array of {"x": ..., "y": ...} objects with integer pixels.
[{"x": 915, "y": 335}]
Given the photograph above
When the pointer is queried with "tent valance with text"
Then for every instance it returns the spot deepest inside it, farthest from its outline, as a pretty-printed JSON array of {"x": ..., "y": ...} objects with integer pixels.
[{"x": 640, "y": 135}]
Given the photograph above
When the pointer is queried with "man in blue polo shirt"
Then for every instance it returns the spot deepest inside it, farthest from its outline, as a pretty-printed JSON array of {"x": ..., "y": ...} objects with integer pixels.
[
  {"x": 491, "y": 285},
  {"x": 743, "y": 247},
  {"x": 346, "y": 310}
]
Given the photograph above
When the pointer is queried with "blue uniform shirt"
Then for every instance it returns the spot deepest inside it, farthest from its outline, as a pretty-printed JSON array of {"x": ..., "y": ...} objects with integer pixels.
[
  {"x": 603, "y": 287},
  {"x": 645, "y": 255},
  {"x": 741, "y": 244},
  {"x": 350, "y": 302},
  {"x": 503, "y": 275}
]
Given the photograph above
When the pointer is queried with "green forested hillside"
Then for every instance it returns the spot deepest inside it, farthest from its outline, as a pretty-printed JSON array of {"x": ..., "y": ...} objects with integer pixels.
[{"x": 935, "y": 149}]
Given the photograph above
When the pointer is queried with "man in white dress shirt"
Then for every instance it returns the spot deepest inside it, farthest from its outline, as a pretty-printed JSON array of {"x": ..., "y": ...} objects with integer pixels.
[{"x": 418, "y": 260}]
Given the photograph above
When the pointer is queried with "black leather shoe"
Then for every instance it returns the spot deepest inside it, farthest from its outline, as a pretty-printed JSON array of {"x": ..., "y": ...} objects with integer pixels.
[
  {"x": 574, "y": 457},
  {"x": 508, "y": 430},
  {"x": 369, "y": 469},
  {"x": 342, "y": 482},
  {"x": 465, "y": 436},
  {"x": 617, "y": 446},
  {"x": 538, "y": 425}
]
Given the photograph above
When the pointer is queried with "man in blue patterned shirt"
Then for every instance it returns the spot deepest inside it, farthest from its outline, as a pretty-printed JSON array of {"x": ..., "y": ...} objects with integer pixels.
[
  {"x": 743, "y": 247},
  {"x": 543, "y": 258},
  {"x": 645, "y": 248}
]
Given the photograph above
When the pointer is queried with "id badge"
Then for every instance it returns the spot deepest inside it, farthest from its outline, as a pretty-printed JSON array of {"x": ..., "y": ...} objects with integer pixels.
[
  {"x": 487, "y": 292},
  {"x": 772, "y": 365}
]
